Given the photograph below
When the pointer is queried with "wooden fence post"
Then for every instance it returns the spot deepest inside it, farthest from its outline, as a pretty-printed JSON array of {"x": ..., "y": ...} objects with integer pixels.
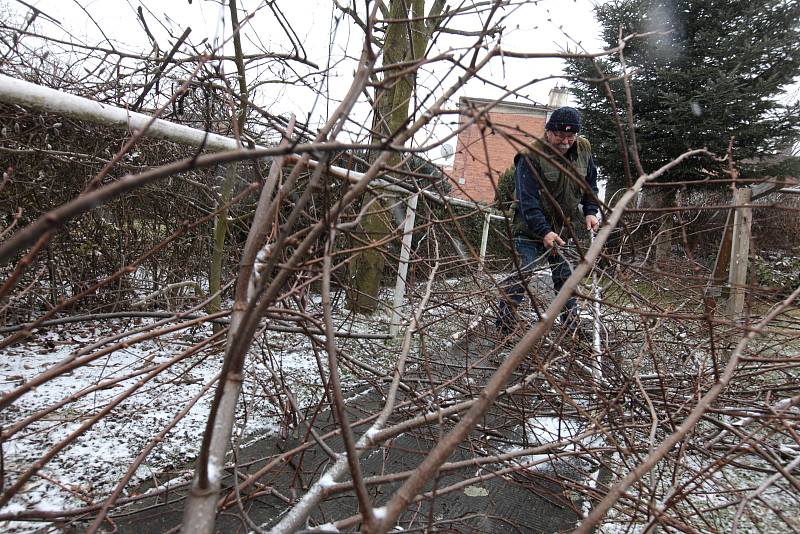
[{"x": 740, "y": 250}]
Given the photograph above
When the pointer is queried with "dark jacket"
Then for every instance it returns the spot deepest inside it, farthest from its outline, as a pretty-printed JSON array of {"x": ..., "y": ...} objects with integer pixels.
[{"x": 547, "y": 199}]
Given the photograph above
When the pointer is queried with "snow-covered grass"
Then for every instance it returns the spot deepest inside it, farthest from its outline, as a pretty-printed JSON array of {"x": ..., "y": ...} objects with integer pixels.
[
  {"x": 87, "y": 469},
  {"x": 90, "y": 466},
  {"x": 709, "y": 499}
]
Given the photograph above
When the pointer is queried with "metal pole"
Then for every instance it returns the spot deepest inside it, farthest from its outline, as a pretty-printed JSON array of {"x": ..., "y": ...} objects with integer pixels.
[
  {"x": 402, "y": 268},
  {"x": 30, "y": 95},
  {"x": 484, "y": 237},
  {"x": 597, "y": 371},
  {"x": 26, "y": 94}
]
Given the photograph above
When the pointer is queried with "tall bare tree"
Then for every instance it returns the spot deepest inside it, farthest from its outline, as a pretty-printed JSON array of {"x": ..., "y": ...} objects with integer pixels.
[{"x": 408, "y": 32}]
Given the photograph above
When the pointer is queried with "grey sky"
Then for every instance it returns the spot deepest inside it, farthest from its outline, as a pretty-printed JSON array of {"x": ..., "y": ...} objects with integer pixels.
[{"x": 548, "y": 25}]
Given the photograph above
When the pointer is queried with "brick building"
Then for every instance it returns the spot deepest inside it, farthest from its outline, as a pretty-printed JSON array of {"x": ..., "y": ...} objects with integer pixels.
[{"x": 486, "y": 147}]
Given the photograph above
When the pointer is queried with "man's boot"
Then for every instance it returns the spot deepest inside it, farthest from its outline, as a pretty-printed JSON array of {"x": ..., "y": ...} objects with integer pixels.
[
  {"x": 571, "y": 321},
  {"x": 569, "y": 315}
]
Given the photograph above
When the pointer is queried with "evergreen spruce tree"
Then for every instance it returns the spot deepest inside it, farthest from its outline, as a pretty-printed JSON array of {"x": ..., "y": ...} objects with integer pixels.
[{"x": 708, "y": 72}]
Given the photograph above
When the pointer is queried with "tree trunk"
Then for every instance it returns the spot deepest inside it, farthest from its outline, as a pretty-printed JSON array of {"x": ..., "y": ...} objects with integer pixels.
[
  {"x": 405, "y": 40},
  {"x": 366, "y": 269},
  {"x": 663, "y": 242},
  {"x": 221, "y": 221},
  {"x": 218, "y": 244},
  {"x": 661, "y": 197}
]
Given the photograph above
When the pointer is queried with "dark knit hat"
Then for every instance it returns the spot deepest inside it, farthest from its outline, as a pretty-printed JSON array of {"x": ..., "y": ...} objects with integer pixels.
[{"x": 564, "y": 119}]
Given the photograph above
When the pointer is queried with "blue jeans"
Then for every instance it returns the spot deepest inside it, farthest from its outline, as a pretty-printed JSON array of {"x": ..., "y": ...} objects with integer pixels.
[{"x": 513, "y": 288}]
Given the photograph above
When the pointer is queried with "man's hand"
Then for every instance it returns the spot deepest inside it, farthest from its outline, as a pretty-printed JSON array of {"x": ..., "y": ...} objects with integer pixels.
[
  {"x": 592, "y": 223},
  {"x": 552, "y": 239}
]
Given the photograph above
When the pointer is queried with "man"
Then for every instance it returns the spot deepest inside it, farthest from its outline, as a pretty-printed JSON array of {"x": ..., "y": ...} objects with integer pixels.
[{"x": 547, "y": 200}]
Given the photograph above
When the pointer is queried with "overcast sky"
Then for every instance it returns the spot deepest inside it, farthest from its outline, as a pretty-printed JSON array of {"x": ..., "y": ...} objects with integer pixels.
[{"x": 549, "y": 25}]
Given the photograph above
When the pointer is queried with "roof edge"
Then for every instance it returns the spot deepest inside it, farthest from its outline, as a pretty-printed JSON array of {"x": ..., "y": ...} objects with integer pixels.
[{"x": 503, "y": 106}]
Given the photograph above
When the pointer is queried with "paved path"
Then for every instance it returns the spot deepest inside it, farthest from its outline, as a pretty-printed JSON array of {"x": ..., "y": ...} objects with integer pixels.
[{"x": 525, "y": 501}]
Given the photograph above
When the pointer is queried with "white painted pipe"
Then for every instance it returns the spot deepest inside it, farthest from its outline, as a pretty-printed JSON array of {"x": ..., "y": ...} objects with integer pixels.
[
  {"x": 26, "y": 94},
  {"x": 402, "y": 269},
  {"x": 484, "y": 238},
  {"x": 14, "y": 91},
  {"x": 596, "y": 345}
]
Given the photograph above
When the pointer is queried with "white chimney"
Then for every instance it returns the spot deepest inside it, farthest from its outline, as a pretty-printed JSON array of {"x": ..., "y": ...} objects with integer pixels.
[{"x": 559, "y": 97}]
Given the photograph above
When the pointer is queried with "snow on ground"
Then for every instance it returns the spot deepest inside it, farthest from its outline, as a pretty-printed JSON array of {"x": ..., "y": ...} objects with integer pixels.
[
  {"x": 543, "y": 430},
  {"x": 712, "y": 505},
  {"x": 89, "y": 468},
  {"x": 86, "y": 470}
]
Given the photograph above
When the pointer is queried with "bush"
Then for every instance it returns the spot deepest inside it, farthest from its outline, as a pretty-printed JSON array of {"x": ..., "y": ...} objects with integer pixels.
[{"x": 778, "y": 271}]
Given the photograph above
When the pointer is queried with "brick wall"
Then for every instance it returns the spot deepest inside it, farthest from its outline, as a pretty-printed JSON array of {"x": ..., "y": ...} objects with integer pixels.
[{"x": 485, "y": 149}]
